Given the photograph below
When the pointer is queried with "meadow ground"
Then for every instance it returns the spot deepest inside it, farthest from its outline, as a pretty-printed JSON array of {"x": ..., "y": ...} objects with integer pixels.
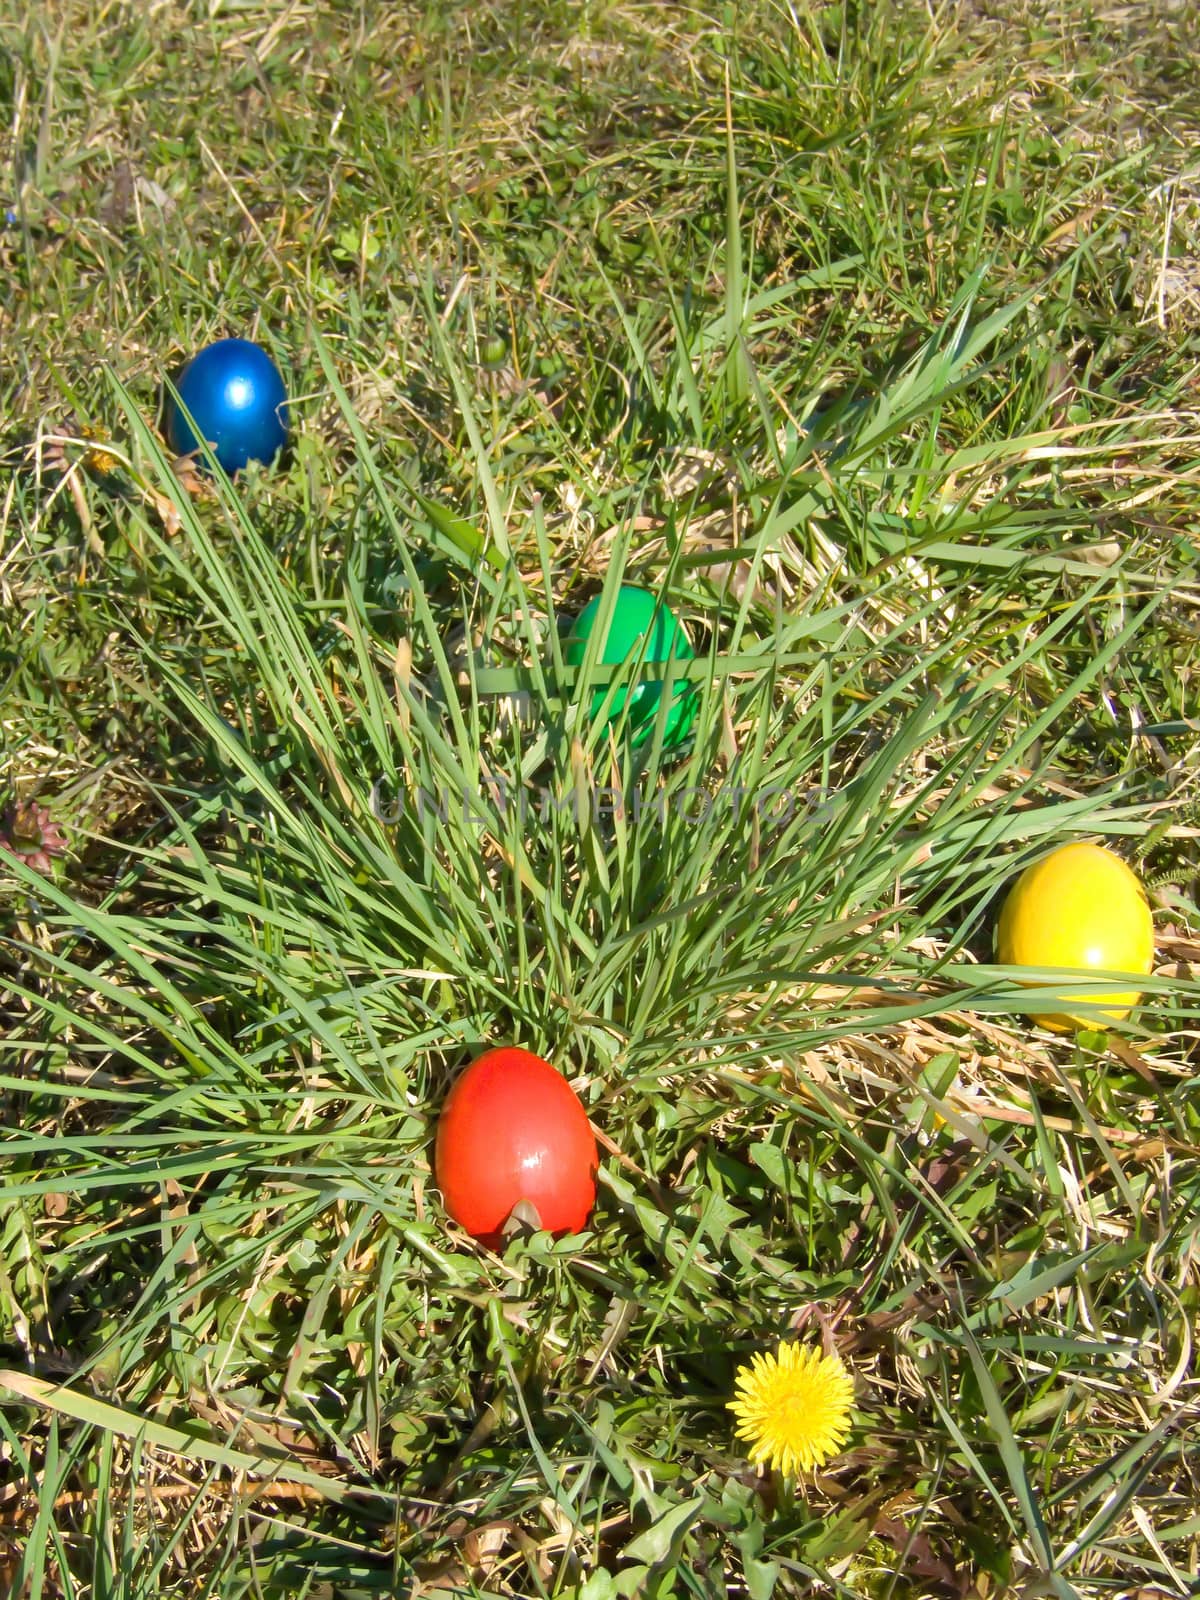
[{"x": 870, "y": 335}]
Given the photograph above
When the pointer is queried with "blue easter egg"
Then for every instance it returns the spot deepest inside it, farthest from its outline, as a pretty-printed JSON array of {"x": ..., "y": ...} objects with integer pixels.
[{"x": 238, "y": 402}]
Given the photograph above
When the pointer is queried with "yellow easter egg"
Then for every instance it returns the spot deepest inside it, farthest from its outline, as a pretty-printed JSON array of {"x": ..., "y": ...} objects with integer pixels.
[{"x": 1080, "y": 908}]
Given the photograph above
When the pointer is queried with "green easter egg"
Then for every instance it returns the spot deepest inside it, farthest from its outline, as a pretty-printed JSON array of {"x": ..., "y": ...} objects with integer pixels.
[
  {"x": 493, "y": 352},
  {"x": 640, "y": 625}
]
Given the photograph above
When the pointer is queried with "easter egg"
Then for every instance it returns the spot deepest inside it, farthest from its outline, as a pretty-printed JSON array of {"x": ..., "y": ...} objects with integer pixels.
[
  {"x": 513, "y": 1129},
  {"x": 1080, "y": 907},
  {"x": 493, "y": 352},
  {"x": 640, "y": 627},
  {"x": 237, "y": 400}
]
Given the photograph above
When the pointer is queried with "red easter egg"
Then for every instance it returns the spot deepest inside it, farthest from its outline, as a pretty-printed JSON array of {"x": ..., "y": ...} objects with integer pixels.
[{"x": 513, "y": 1129}]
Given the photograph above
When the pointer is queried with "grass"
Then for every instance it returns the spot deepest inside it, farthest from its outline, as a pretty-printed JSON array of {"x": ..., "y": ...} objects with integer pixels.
[{"x": 868, "y": 336}]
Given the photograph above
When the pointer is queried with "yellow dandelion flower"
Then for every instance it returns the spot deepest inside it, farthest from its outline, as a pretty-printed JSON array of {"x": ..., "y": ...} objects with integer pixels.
[
  {"x": 96, "y": 459},
  {"x": 793, "y": 1407}
]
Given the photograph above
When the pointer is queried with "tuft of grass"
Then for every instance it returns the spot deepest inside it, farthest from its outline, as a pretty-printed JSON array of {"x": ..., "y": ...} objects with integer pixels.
[{"x": 864, "y": 337}]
